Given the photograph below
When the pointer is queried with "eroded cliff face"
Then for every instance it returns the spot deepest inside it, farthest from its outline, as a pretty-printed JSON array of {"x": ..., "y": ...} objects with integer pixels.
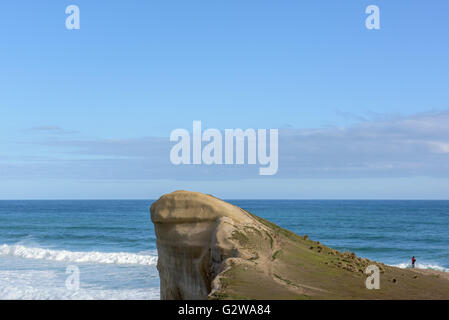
[
  {"x": 210, "y": 249},
  {"x": 194, "y": 241}
]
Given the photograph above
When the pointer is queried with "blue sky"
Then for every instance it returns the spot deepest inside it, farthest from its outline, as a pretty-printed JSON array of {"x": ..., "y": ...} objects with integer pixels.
[{"x": 87, "y": 113}]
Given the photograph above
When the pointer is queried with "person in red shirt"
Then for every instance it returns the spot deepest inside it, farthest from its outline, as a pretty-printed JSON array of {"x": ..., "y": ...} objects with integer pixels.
[{"x": 413, "y": 261}]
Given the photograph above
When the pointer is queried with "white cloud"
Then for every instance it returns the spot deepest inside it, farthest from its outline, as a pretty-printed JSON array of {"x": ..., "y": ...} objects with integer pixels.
[{"x": 381, "y": 147}]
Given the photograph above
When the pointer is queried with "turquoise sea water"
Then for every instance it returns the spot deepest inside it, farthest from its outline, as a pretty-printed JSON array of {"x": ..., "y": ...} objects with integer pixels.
[{"x": 112, "y": 243}]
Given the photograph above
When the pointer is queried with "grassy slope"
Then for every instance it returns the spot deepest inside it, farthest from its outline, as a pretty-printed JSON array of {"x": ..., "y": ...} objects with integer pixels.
[{"x": 283, "y": 265}]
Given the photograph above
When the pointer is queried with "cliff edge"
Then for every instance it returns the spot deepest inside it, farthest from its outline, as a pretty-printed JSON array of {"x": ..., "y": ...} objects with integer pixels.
[{"x": 211, "y": 249}]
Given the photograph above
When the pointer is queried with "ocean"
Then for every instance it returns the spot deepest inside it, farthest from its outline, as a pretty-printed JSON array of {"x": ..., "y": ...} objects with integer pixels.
[{"x": 112, "y": 245}]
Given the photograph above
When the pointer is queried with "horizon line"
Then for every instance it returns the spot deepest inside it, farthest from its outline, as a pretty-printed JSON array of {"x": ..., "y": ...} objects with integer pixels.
[{"x": 236, "y": 199}]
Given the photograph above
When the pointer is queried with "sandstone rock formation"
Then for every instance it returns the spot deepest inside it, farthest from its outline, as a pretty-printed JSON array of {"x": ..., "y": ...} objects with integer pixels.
[
  {"x": 211, "y": 249},
  {"x": 194, "y": 240}
]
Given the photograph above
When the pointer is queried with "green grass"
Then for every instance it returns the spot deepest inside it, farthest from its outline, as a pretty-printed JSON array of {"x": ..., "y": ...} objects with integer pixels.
[
  {"x": 294, "y": 271},
  {"x": 274, "y": 256}
]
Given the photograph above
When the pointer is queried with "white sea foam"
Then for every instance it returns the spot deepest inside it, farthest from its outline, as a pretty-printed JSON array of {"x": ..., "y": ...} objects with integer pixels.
[
  {"x": 19, "y": 250},
  {"x": 47, "y": 285},
  {"x": 421, "y": 266},
  {"x": 29, "y": 293}
]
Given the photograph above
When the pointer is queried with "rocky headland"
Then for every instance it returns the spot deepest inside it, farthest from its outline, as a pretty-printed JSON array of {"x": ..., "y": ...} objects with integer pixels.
[{"x": 211, "y": 249}]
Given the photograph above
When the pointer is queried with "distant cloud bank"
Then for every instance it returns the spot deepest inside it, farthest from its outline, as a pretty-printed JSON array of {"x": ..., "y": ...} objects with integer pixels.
[{"x": 384, "y": 146}]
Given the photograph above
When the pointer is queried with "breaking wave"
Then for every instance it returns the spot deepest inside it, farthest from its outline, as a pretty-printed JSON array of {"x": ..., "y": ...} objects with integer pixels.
[
  {"x": 421, "y": 266},
  {"x": 80, "y": 257}
]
